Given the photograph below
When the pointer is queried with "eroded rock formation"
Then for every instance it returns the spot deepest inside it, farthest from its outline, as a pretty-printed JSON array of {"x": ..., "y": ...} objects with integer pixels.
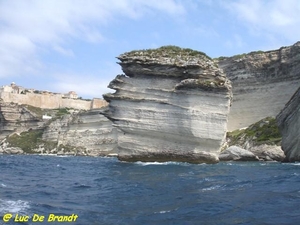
[
  {"x": 85, "y": 133},
  {"x": 262, "y": 83},
  {"x": 16, "y": 118},
  {"x": 171, "y": 104},
  {"x": 235, "y": 153},
  {"x": 69, "y": 132},
  {"x": 289, "y": 125},
  {"x": 261, "y": 138}
]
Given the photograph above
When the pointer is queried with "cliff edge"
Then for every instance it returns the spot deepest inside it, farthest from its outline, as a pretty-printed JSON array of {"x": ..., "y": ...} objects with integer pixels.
[
  {"x": 289, "y": 125},
  {"x": 262, "y": 83},
  {"x": 171, "y": 105}
]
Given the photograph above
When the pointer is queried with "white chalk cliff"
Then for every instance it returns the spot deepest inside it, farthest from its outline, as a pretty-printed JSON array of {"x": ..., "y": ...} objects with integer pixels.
[
  {"x": 16, "y": 118},
  {"x": 172, "y": 104},
  {"x": 289, "y": 125},
  {"x": 84, "y": 133},
  {"x": 262, "y": 83}
]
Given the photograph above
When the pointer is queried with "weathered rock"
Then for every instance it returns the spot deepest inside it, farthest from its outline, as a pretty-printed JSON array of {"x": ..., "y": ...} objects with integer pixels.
[
  {"x": 172, "y": 105},
  {"x": 261, "y": 138},
  {"x": 235, "y": 153},
  {"x": 268, "y": 152},
  {"x": 16, "y": 118},
  {"x": 10, "y": 150},
  {"x": 85, "y": 133},
  {"x": 23, "y": 131},
  {"x": 289, "y": 125},
  {"x": 263, "y": 82}
]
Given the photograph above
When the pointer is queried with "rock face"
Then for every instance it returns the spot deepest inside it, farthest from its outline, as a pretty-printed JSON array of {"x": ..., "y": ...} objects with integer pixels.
[
  {"x": 289, "y": 125},
  {"x": 268, "y": 152},
  {"x": 16, "y": 118},
  {"x": 171, "y": 105},
  {"x": 261, "y": 138},
  {"x": 85, "y": 133},
  {"x": 263, "y": 82},
  {"x": 69, "y": 132},
  {"x": 235, "y": 153}
]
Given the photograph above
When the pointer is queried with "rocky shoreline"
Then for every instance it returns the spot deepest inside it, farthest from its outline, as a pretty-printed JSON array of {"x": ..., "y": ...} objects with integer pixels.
[
  {"x": 174, "y": 104},
  {"x": 68, "y": 132}
]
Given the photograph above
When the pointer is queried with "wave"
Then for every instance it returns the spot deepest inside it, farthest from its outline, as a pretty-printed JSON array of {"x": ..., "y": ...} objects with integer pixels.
[
  {"x": 10, "y": 206},
  {"x": 165, "y": 211},
  {"x": 159, "y": 163},
  {"x": 212, "y": 188}
]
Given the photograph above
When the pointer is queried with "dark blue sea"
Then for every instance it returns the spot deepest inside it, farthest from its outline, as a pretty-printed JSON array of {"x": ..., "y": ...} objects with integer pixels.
[{"x": 107, "y": 191}]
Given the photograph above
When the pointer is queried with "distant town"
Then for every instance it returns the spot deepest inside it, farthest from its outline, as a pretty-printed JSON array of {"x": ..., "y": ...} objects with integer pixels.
[
  {"x": 47, "y": 99},
  {"x": 16, "y": 89}
]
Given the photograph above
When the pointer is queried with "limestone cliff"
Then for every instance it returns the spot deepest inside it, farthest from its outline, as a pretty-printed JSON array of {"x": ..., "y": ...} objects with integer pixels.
[
  {"x": 74, "y": 132},
  {"x": 262, "y": 83},
  {"x": 289, "y": 124},
  {"x": 171, "y": 104},
  {"x": 17, "y": 118},
  {"x": 85, "y": 133}
]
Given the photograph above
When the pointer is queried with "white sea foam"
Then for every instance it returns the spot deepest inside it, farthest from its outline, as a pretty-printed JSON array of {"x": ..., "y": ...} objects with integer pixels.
[
  {"x": 3, "y": 185},
  {"x": 9, "y": 206},
  {"x": 165, "y": 211},
  {"x": 212, "y": 188},
  {"x": 64, "y": 156},
  {"x": 158, "y": 163}
]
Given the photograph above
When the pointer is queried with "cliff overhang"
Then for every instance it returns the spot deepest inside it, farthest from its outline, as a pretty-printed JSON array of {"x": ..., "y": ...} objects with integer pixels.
[{"x": 170, "y": 105}]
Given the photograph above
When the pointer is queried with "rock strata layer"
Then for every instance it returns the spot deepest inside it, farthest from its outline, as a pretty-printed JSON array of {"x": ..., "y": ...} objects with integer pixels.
[
  {"x": 289, "y": 125},
  {"x": 85, "y": 133},
  {"x": 263, "y": 82},
  {"x": 171, "y": 105},
  {"x": 70, "y": 132},
  {"x": 16, "y": 118}
]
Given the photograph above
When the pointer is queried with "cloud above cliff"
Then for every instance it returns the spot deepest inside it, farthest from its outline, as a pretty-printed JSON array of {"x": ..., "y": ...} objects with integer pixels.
[
  {"x": 30, "y": 28},
  {"x": 34, "y": 32},
  {"x": 78, "y": 40},
  {"x": 275, "y": 20}
]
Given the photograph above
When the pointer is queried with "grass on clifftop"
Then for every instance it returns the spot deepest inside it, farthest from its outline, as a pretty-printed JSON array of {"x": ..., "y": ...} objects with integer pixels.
[
  {"x": 26, "y": 140},
  {"x": 32, "y": 139},
  {"x": 168, "y": 51},
  {"x": 38, "y": 111},
  {"x": 264, "y": 131},
  {"x": 52, "y": 112}
]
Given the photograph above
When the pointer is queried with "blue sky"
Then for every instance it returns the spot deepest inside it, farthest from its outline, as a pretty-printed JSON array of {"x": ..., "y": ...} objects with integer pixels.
[{"x": 69, "y": 45}]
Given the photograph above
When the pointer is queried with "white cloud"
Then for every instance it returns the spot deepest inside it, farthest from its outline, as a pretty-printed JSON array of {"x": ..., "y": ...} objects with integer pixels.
[
  {"x": 63, "y": 51},
  {"x": 275, "y": 19},
  {"x": 235, "y": 42},
  {"x": 33, "y": 26},
  {"x": 85, "y": 85}
]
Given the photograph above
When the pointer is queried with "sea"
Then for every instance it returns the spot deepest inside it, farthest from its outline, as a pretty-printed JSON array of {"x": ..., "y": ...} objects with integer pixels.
[{"x": 37, "y": 189}]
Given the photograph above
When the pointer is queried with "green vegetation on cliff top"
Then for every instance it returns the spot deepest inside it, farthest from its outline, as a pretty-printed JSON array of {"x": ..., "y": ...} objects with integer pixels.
[
  {"x": 238, "y": 56},
  {"x": 55, "y": 113},
  {"x": 264, "y": 131},
  {"x": 32, "y": 139},
  {"x": 27, "y": 140},
  {"x": 168, "y": 51}
]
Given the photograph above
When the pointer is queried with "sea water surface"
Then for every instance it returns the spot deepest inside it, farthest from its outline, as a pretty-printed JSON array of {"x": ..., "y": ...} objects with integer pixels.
[{"x": 107, "y": 191}]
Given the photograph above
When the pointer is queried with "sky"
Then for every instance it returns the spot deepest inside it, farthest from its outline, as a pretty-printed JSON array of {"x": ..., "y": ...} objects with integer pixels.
[{"x": 72, "y": 45}]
